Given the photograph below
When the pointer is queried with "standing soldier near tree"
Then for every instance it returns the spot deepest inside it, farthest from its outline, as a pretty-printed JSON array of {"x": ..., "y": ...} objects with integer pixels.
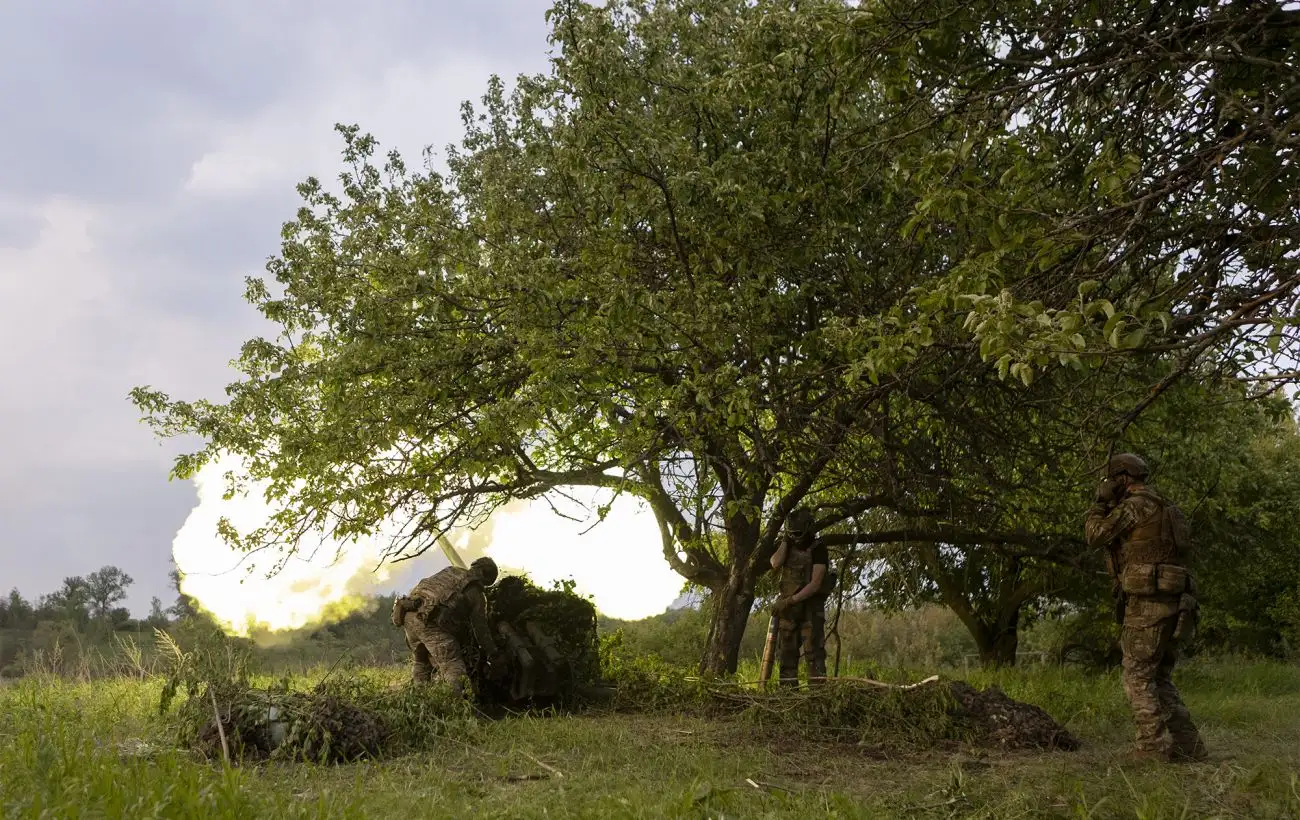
[
  {"x": 801, "y": 610},
  {"x": 1147, "y": 551}
]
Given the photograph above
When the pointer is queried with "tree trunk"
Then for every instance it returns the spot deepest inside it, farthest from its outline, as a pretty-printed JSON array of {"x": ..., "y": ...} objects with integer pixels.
[
  {"x": 729, "y": 607},
  {"x": 998, "y": 645}
]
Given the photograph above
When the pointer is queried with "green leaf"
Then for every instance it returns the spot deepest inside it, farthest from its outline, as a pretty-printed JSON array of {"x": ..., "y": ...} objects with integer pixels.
[{"x": 1113, "y": 335}]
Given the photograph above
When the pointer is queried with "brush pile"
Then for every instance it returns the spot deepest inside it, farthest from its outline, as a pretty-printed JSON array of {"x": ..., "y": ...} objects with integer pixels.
[
  {"x": 924, "y": 715},
  {"x": 333, "y": 722},
  {"x": 1005, "y": 723},
  {"x": 931, "y": 713},
  {"x": 265, "y": 723}
]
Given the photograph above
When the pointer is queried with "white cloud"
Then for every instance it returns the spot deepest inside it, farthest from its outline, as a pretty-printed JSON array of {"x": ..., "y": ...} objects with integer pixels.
[
  {"x": 407, "y": 106},
  {"x": 75, "y": 337},
  {"x": 48, "y": 293},
  {"x": 136, "y": 279}
]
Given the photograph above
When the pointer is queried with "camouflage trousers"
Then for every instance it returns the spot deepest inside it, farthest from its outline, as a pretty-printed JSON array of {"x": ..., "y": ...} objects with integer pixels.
[
  {"x": 802, "y": 630},
  {"x": 1164, "y": 726},
  {"x": 434, "y": 649}
]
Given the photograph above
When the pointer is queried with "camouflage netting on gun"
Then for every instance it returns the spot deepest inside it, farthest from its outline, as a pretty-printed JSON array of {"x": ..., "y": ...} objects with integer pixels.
[{"x": 568, "y": 620}]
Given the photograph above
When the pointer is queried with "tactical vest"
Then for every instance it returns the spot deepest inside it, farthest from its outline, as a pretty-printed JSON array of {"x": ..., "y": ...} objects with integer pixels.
[
  {"x": 1154, "y": 554},
  {"x": 1159, "y": 539},
  {"x": 796, "y": 572},
  {"x": 440, "y": 594}
]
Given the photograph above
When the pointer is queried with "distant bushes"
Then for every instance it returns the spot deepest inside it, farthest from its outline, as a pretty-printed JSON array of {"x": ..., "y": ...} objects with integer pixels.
[{"x": 929, "y": 637}]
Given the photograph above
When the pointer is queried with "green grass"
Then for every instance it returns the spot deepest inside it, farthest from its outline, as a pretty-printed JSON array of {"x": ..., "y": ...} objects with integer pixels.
[{"x": 99, "y": 750}]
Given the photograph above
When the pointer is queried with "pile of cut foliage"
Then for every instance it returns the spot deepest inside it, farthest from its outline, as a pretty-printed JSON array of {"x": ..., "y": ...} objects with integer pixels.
[
  {"x": 338, "y": 720},
  {"x": 869, "y": 713},
  {"x": 210, "y": 704},
  {"x": 919, "y": 716}
]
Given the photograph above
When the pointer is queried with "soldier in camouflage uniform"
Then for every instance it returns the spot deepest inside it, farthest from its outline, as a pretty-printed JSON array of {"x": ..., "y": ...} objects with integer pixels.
[
  {"x": 801, "y": 610},
  {"x": 439, "y": 613},
  {"x": 1147, "y": 551}
]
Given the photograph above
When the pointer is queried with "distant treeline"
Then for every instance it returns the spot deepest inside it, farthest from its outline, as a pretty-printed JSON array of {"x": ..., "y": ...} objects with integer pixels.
[
  {"x": 84, "y": 601},
  {"x": 81, "y": 630}
]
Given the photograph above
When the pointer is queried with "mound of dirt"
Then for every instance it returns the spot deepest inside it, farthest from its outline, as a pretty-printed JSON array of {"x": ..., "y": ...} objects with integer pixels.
[{"x": 997, "y": 720}]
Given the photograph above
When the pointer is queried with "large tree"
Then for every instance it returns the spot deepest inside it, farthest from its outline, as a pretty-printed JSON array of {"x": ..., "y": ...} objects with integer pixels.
[
  {"x": 105, "y": 588},
  {"x": 70, "y": 602},
  {"x": 733, "y": 257}
]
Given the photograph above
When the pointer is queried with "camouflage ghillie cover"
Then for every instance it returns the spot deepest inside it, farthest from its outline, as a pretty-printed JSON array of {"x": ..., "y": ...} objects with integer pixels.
[{"x": 566, "y": 619}]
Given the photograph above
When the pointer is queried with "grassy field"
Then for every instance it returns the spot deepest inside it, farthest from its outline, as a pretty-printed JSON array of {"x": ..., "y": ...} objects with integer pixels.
[{"x": 100, "y": 750}]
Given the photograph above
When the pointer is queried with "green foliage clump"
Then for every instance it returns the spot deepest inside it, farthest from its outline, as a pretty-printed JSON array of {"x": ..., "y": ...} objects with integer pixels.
[
  {"x": 344, "y": 717},
  {"x": 838, "y": 710},
  {"x": 647, "y": 683},
  {"x": 562, "y": 614},
  {"x": 849, "y": 711},
  {"x": 934, "y": 712},
  {"x": 338, "y": 720}
]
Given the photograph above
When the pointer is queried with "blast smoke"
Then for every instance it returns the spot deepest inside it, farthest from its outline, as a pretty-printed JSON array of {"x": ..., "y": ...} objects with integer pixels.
[{"x": 618, "y": 561}]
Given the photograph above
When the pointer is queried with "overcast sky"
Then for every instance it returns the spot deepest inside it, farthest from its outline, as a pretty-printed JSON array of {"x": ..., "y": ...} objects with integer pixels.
[{"x": 148, "y": 159}]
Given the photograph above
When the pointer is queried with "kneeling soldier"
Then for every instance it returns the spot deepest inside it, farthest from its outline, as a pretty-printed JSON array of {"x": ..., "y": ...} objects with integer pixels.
[{"x": 438, "y": 614}]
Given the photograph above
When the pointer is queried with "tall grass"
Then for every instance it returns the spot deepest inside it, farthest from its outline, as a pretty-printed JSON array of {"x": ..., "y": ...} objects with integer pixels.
[
  {"x": 92, "y": 750},
  {"x": 74, "y": 744},
  {"x": 99, "y": 749}
]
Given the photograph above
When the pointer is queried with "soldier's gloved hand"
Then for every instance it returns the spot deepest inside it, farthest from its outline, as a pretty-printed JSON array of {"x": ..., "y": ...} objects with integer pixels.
[
  {"x": 782, "y": 604},
  {"x": 1108, "y": 492},
  {"x": 402, "y": 605}
]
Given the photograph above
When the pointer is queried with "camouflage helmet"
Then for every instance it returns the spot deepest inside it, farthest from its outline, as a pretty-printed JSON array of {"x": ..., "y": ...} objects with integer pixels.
[
  {"x": 1127, "y": 464},
  {"x": 486, "y": 569}
]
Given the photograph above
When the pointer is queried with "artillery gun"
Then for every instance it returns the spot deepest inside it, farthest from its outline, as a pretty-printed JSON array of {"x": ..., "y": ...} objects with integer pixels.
[{"x": 550, "y": 639}]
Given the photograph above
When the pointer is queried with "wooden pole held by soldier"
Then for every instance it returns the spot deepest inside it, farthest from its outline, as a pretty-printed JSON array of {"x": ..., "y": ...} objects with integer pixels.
[{"x": 769, "y": 653}]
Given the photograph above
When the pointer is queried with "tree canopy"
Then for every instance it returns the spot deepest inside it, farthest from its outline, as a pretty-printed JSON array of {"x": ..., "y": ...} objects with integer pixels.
[{"x": 915, "y": 264}]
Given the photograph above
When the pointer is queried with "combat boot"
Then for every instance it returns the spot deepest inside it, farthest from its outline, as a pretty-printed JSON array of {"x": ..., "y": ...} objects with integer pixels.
[
  {"x": 1146, "y": 756},
  {"x": 1193, "y": 751}
]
